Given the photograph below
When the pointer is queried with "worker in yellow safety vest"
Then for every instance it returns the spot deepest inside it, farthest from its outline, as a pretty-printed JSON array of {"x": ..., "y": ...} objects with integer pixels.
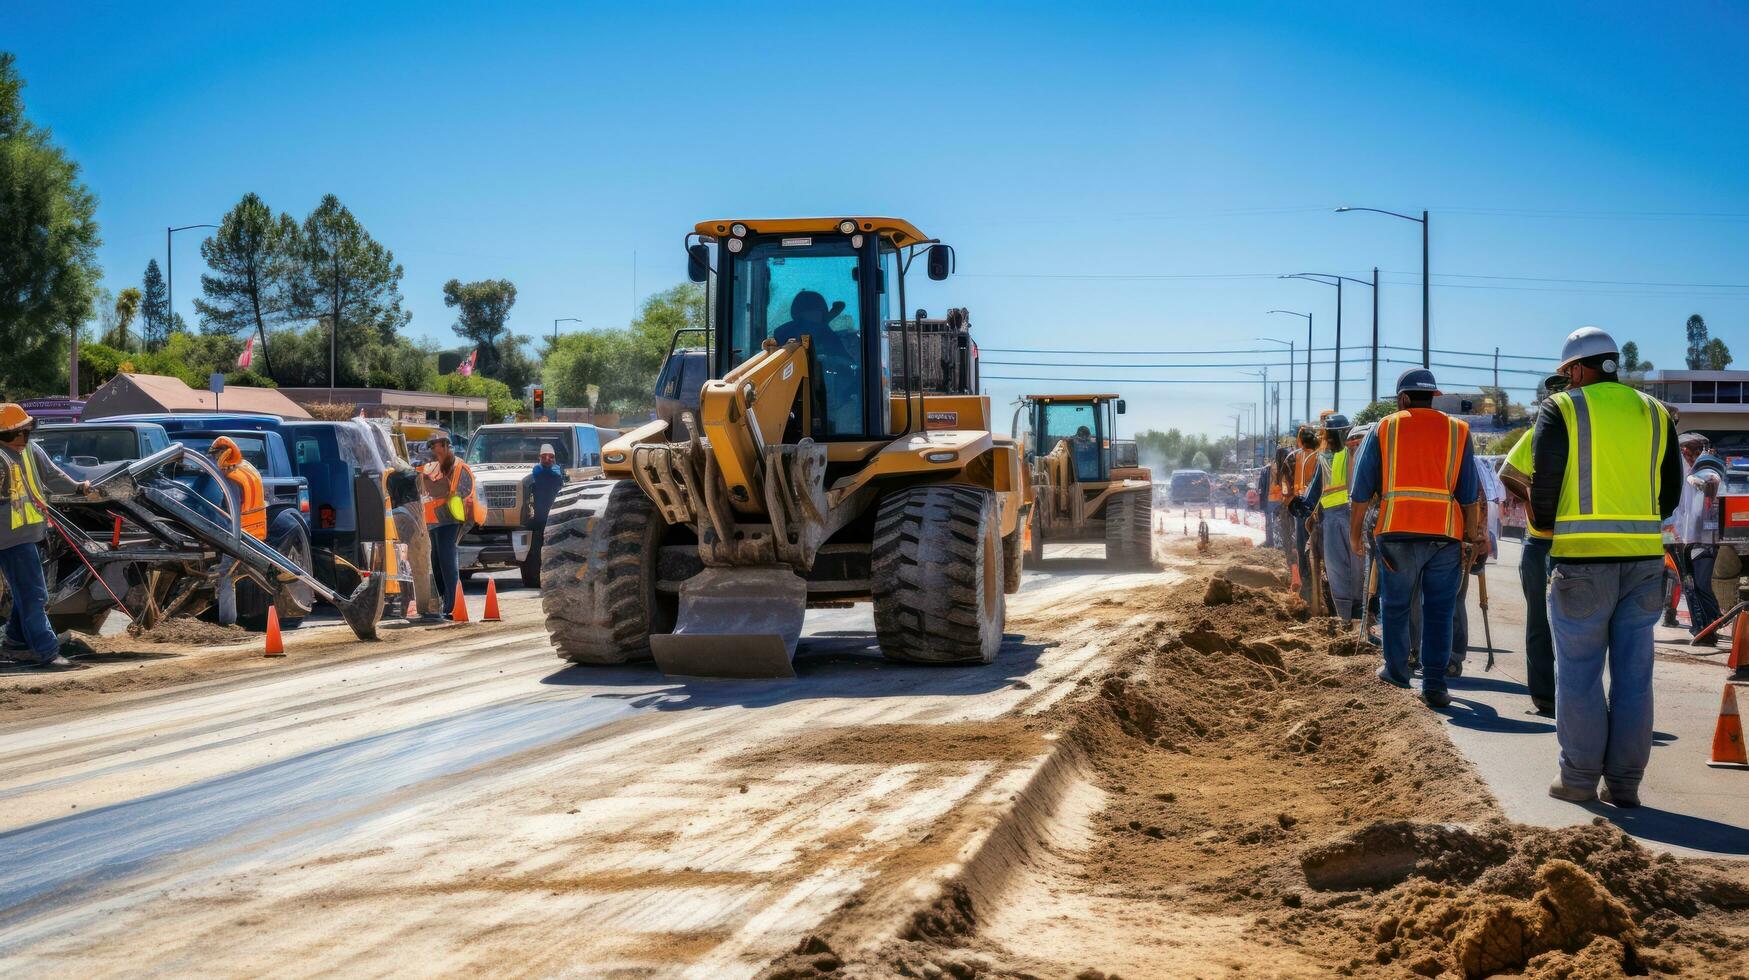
[
  {"x": 1605, "y": 474},
  {"x": 447, "y": 484},
  {"x": 27, "y": 477},
  {"x": 1327, "y": 499}
]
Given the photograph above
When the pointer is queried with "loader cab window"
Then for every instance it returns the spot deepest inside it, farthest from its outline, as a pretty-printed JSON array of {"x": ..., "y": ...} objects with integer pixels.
[
  {"x": 1079, "y": 424},
  {"x": 792, "y": 286}
]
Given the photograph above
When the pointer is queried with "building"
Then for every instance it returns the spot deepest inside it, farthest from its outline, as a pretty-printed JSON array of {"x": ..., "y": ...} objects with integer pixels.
[
  {"x": 1715, "y": 403},
  {"x": 457, "y": 413},
  {"x": 136, "y": 394}
]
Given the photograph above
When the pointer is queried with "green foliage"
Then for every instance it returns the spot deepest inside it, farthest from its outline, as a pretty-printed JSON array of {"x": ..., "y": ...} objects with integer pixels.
[
  {"x": 254, "y": 260},
  {"x": 1175, "y": 450},
  {"x": 1502, "y": 444},
  {"x": 1630, "y": 360},
  {"x": 1715, "y": 356},
  {"x": 482, "y": 309},
  {"x": 191, "y": 357},
  {"x": 1372, "y": 413},
  {"x": 154, "y": 307},
  {"x": 500, "y": 402},
  {"x": 1200, "y": 461},
  {"x": 1696, "y": 332},
  {"x": 48, "y": 249},
  {"x": 301, "y": 361},
  {"x": 127, "y": 306},
  {"x": 622, "y": 363}
]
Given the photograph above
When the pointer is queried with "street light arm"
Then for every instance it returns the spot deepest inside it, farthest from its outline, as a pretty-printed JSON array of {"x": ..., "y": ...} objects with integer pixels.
[
  {"x": 1326, "y": 275},
  {"x": 1292, "y": 313},
  {"x": 186, "y": 227},
  {"x": 1382, "y": 211}
]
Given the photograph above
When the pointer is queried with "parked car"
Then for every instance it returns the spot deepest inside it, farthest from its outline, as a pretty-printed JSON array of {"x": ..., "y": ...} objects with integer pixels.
[
  {"x": 88, "y": 449},
  {"x": 503, "y": 457},
  {"x": 1188, "y": 487}
]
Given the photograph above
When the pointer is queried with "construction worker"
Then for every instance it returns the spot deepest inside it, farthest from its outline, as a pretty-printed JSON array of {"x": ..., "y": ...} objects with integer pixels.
[
  {"x": 250, "y": 497},
  {"x": 27, "y": 477},
  {"x": 542, "y": 487},
  {"x": 1533, "y": 580},
  {"x": 447, "y": 484},
  {"x": 1697, "y": 530},
  {"x": 1305, "y": 465},
  {"x": 1419, "y": 463},
  {"x": 1327, "y": 499},
  {"x": 1605, "y": 475},
  {"x": 1280, "y": 479},
  {"x": 401, "y": 483}
]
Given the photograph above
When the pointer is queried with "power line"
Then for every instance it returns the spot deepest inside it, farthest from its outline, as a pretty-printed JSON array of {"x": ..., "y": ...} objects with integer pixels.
[{"x": 1187, "y": 381}]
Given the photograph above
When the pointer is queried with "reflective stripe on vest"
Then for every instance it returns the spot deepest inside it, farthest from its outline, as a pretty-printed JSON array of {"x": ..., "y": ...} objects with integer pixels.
[
  {"x": 470, "y": 505},
  {"x": 1420, "y": 450},
  {"x": 1335, "y": 478},
  {"x": 25, "y": 491},
  {"x": 1615, "y": 458}
]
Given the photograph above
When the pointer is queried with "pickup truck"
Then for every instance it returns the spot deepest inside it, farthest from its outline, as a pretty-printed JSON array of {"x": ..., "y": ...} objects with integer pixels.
[
  {"x": 87, "y": 450},
  {"x": 503, "y": 457}
]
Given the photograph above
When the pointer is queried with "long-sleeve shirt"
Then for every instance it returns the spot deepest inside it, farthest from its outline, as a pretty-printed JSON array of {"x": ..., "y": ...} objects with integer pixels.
[
  {"x": 1368, "y": 475},
  {"x": 1549, "y": 468},
  {"x": 544, "y": 484},
  {"x": 52, "y": 480}
]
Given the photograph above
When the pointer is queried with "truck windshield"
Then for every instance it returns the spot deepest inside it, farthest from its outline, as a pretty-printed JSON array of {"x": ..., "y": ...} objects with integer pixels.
[
  {"x": 805, "y": 285},
  {"x": 84, "y": 446},
  {"x": 1078, "y": 423},
  {"x": 518, "y": 447}
]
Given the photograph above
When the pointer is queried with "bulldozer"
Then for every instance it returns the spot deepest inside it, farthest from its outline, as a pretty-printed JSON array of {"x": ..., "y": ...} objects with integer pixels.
[
  {"x": 828, "y": 462},
  {"x": 1085, "y": 487}
]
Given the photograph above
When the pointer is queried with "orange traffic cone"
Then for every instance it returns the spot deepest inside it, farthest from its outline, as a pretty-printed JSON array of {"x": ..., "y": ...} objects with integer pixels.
[
  {"x": 275, "y": 645},
  {"x": 491, "y": 614},
  {"x": 1739, "y": 662},
  {"x": 1728, "y": 751},
  {"x": 460, "y": 612}
]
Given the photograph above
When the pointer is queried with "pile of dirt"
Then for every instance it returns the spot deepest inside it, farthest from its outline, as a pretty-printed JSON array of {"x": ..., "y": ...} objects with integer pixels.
[
  {"x": 187, "y": 631},
  {"x": 1268, "y": 807}
]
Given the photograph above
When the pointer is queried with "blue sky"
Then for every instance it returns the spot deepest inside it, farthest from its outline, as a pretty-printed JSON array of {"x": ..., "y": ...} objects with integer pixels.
[{"x": 1078, "y": 156}]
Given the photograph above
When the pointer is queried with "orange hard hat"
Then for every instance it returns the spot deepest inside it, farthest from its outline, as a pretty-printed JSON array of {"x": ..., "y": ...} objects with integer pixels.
[
  {"x": 225, "y": 451},
  {"x": 13, "y": 417}
]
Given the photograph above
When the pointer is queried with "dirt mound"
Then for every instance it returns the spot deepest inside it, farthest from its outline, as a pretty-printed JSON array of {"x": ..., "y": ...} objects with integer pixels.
[
  {"x": 1267, "y": 807},
  {"x": 183, "y": 630}
]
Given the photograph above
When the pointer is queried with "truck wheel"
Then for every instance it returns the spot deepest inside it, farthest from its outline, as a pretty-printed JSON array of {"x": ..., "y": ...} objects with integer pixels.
[
  {"x": 1013, "y": 557},
  {"x": 937, "y": 575},
  {"x": 1129, "y": 530},
  {"x": 598, "y": 574}
]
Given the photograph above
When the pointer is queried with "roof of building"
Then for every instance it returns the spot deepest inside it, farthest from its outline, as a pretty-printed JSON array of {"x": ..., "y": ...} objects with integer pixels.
[
  {"x": 139, "y": 394},
  {"x": 390, "y": 397}
]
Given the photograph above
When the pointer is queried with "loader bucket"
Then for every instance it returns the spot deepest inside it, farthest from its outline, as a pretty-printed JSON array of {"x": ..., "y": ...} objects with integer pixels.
[
  {"x": 363, "y": 607},
  {"x": 735, "y": 622}
]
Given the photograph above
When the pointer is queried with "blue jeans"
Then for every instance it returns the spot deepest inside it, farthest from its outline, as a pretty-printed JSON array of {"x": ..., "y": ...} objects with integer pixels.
[
  {"x": 1342, "y": 567},
  {"x": 1539, "y": 647},
  {"x": 1703, "y": 606},
  {"x": 1597, "y": 611},
  {"x": 1424, "y": 568},
  {"x": 1271, "y": 515},
  {"x": 444, "y": 562},
  {"x": 28, "y": 626}
]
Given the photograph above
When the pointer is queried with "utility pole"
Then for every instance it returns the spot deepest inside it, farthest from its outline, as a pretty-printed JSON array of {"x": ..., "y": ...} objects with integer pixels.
[
  {"x": 1375, "y": 335},
  {"x": 1426, "y": 331},
  {"x": 1496, "y": 367},
  {"x": 1336, "y": 362},
  {"x": 170, "y": 276}
]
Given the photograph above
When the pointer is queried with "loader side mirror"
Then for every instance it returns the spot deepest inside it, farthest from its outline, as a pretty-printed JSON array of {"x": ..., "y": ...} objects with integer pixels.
[
  {"x": 370, "y": 508},
  {"x": 698, "y": 262},
  {"x": 1120, "y": 406},
  {"x": 940, "y": 262}
]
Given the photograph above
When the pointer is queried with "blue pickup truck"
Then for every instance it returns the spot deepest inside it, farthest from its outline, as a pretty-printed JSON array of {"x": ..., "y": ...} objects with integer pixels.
[{"x": 89, "y": 449}]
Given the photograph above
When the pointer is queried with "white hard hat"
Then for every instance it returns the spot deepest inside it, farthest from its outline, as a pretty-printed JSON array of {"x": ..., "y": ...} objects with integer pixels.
[
  {"x": 546, "y": 449},
  {"x": 1588, "y": 342}
]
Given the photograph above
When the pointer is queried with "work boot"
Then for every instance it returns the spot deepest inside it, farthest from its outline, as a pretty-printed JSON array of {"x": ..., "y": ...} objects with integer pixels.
[
  {"x": 1572, "y": 794},
  {"x": 1384, "y": 674},
  {"x": 1626, "y": 799},
  {"x": 1543, "y": 707},
  {"x": 1436, "y": 698}
]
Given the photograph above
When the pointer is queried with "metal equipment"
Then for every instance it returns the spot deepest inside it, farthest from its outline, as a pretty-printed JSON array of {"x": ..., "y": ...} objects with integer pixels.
[{"x": 1079, "y": 494}]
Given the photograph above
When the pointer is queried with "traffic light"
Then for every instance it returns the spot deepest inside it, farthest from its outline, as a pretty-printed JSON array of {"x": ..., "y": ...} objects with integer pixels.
[{"x": 540, "y": 401}]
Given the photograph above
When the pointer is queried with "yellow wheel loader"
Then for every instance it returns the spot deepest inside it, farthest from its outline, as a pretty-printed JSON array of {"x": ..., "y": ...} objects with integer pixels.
[
  {"x": 819, "y": 469},
  {"x": 1081, "y": 489}
]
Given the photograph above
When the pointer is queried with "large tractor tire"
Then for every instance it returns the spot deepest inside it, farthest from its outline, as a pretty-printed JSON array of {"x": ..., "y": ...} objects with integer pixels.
[
  {"x": 1013, "y": 557},
  {"x": 598, "y": 574},
  {"x": 1129, "y": 530},
  {"x": 938, "y": 575}
]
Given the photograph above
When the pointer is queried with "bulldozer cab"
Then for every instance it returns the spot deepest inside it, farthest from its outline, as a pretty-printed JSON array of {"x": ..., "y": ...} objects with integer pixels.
[
  {"x": 838, "y": 283},
  {"x": 1083, "y": 424}
]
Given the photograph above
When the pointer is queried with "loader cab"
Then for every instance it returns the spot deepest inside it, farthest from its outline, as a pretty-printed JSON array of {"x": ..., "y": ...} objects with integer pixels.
[
  {"x": 837, "y": 281},
  {"x": 1086, "y": 422}
]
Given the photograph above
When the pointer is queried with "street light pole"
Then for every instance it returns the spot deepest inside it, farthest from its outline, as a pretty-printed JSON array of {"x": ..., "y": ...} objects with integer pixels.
[
  {"x": 1308, "y": 317},
  {"x": 1332, "y": 279},
  {"x": 563, "y": 319},
  {"x": 1426, "y": 330},
  {"x": 1375, "y": 335},
  {"x": 170, "y": 275}
]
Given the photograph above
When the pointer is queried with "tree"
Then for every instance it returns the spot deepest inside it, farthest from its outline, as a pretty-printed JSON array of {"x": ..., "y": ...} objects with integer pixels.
[
  {"x": 127, "y": 305},
  {"x": 1715, "y": 356},
  {"x": 621, "y": 363},
  {"x": 1372, "y": 413},
  {"x": 48, "y": 248},
  {"x": 1630, "y": 359},
  {"x": 254, "y": 260},
  {"x": 1696, "y": 343},
  {"x": 154, "y": 308},
  {"x": 482, "y": 308},
  {"x": 350, "y": 282}
]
